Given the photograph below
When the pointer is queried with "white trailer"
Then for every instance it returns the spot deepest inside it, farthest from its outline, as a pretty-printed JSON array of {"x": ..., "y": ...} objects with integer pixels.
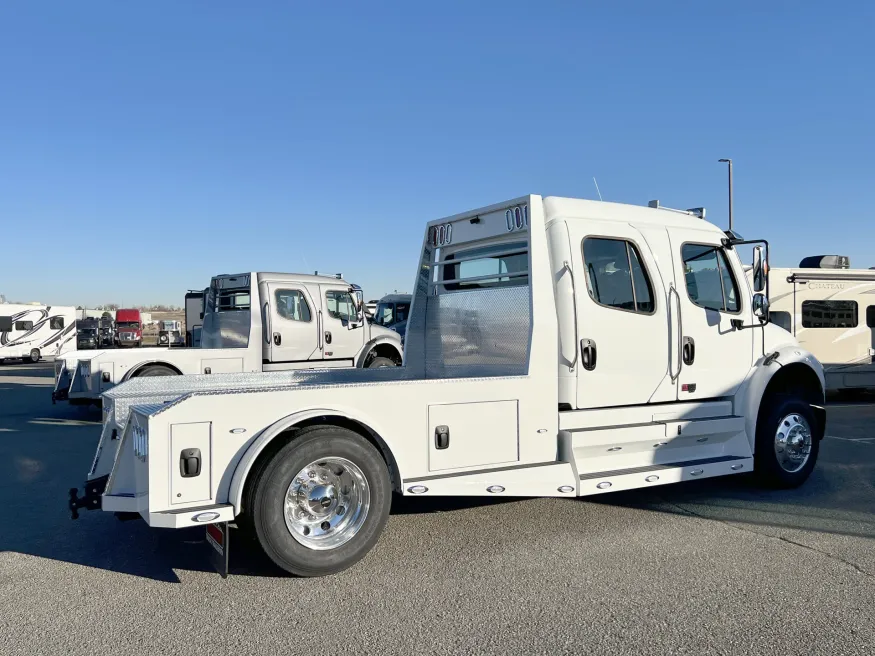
[
  {"x": 31, "y": 332},
  {"x": 555, "y": 347},
  {"x": 252, "y": 322},
  {"x": 831, "y": 312}
]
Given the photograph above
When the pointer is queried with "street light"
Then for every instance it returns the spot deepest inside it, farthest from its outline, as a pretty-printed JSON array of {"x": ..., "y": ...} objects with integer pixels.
[{"x": 729, "y": 162}]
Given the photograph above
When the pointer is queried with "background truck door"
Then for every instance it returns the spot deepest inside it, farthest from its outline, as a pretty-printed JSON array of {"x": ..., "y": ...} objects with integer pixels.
[
  {"x": 338, "y": 310},
  {"x": 623, "y": 340},
  {"x": 290, "y": 318},
  {"x": 715, "y": 356}
]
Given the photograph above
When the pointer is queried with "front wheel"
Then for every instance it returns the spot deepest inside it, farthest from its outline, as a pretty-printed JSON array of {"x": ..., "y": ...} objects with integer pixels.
[
  {"x": 380, "y": 362},
  {"x": 34, "y": 355},
  {"x": 786, "y": 443},
  {"x": 319, "y": 504}
]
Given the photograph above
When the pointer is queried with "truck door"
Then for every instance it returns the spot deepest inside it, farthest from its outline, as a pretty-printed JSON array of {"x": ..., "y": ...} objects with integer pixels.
[
  {"x": 623, "y": 327},
  {"x": 715, "y": 357},
  {"x": 290, "y": 322},
  {"x": 340, "y": 341}
]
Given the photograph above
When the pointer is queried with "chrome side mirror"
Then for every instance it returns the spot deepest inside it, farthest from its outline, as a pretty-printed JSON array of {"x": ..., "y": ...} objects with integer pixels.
[
  {"x": 759, "y": 270},
  {"x": 761, "y": 307}
]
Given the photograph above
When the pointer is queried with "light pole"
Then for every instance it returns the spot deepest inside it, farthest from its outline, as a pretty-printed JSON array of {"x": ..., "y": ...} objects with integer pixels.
[{"x": 729, "y": 162}]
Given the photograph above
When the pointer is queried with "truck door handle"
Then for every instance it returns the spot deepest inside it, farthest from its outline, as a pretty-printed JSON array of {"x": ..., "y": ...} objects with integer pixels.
[
  {"x": 190, "y": 463},
  {"x": 588, "y": 354},
  {"x": 441, "y": 437},
  {"x": 277, "y": 339},
  {"x": 327, "y": 336},
  {"x": 689, "y": 350}
]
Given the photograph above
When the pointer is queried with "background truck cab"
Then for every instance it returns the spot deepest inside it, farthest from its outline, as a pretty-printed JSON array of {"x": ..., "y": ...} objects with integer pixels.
[
  {"x": 129, "y": 327},
  {"x": 252, "y": 322}
]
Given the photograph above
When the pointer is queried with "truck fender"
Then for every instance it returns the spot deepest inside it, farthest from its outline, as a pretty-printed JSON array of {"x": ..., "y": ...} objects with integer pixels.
[
  {"x": 786, "y": 361},
  {"x": 264, "y": 438},
  {"x": 373, "y": 343}
]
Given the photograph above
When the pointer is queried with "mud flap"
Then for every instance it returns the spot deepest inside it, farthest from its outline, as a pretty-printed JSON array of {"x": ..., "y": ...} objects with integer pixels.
[
  {"x": 217, "y": 547},
  {"x": 820, "y": 417}
]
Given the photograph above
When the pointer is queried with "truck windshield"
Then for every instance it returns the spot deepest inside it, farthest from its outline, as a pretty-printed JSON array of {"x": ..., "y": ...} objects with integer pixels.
[
  {"x": 388, "y": 314},
  {"x": 128, "y": 324},
  {"x": 88, "y": 332}
]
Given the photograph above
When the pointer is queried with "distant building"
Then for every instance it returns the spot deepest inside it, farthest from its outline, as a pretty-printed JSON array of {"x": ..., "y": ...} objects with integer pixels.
[{"x": 2, "y": 298}]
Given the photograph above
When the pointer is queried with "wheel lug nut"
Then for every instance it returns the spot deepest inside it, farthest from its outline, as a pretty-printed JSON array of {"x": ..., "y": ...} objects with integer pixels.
[{"x": 311, "y": 474}]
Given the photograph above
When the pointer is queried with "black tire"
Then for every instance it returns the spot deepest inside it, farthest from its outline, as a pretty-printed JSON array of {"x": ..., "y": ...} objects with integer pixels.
[
  {"x": 767, "y": 468},
  {"x": 264, "y": 503},
  {"x": 34, "y": 356},
  {"x": 380, "y": 362},
  {"x": 156, "y": 370}
]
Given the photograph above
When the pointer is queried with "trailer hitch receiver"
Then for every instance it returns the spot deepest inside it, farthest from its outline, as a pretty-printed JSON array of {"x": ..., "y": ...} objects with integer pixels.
[{"x": 90, "y": 500}]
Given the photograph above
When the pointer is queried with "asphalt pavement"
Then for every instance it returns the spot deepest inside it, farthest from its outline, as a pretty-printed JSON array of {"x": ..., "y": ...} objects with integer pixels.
[{"x": 711, "y": 567}]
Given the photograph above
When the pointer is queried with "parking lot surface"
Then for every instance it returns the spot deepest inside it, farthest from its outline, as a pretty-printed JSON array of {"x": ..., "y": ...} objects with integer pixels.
[{"x": 715, "y": 566}]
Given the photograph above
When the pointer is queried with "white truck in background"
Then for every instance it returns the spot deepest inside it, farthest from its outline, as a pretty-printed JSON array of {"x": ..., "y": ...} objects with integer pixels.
[
  {"x": 555, "y": 347},
  {"x": 830, "y": 309},
  {"x": 252, "y": 322}
]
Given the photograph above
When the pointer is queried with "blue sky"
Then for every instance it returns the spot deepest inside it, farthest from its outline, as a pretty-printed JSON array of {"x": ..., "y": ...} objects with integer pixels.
[{"x": 174, "y": 140}]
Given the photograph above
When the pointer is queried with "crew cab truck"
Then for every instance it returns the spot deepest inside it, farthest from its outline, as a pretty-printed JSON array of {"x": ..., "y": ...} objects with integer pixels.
[
  {"x": 129, "y": 328},
  {"x": 252, "y": 322},
  {"x": 555, "y": 347}
]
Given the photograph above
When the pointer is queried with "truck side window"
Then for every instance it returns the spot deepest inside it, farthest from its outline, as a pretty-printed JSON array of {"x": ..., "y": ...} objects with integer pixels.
[
  {"x": 710, "y": 283},
  {"x": 291, "y": 304},
  {"x": 24, "y": 325},
  {"x": 56, "y": 323},
  {"x": 870, "y": 316},
  {"x": 339, "y": 305},
  {"x": 829, "y": 314},
  {"x": 615, "y": 276}
]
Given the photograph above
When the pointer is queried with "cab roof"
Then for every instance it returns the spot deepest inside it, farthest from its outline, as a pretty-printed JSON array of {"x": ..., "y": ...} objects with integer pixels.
[
  {"x": 557, "y": 208},
  {"x": 270, "y": 276}
]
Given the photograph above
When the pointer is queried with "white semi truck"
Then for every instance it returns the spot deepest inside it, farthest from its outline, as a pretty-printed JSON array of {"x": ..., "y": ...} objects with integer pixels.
[
  {"x": 252, "y": 322},
  {"x": 555, "y": 347}
]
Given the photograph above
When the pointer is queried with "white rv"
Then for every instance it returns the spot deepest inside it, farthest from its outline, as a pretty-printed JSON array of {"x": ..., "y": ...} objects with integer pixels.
[
  {"x": 555, "y": 347},
  {"x": 31, "y": 332},
  {"x": 252, "y": 322},
  {"x": 830, "y": 309}
]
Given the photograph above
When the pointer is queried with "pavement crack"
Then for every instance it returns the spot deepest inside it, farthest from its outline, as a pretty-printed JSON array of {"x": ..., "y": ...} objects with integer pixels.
[{"x": 745, "y": 529}]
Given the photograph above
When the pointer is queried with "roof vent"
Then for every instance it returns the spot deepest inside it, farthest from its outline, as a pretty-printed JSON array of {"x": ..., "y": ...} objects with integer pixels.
[{"x": 826, "y": 262}]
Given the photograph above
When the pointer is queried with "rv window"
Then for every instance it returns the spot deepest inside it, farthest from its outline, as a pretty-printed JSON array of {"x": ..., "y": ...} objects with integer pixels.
[
  {"x": 829, "y": 314},
  {"x": 24, "y": 325},
  {"x": 56, "y": 323},
  {"x": 870, "y": 316},
  {"x": 615, "y": 276},
  {"x": 782, "y": 319},
  {"x": 488, "y": 261},
  {"x": 291, "y": 304},
  {"x": 5, "y": 324},
  {"x": 710, "y": 283},
  {"x": 339, "y": 305}
]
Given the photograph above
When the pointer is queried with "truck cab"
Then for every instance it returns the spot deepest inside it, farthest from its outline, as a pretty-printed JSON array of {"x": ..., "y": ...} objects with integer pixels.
[
  {"x": 170, "y": 333},
  {"x": 129, "y": 328},
  {"x": 555, "y": 347},
  {"x": 392, "y": 311},
  {"x": 87, "y": 334}
]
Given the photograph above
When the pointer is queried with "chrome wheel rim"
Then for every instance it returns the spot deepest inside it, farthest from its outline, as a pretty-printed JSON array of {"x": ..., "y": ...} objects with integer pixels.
[
  {"x": 793, "y": 443},
  {"x": 327, "y": 503}
]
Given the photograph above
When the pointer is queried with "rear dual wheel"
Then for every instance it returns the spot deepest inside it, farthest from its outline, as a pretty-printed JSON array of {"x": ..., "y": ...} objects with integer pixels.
[
  {"x": 319, "y": 504},
  {"x": 34, "y": 355}
]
